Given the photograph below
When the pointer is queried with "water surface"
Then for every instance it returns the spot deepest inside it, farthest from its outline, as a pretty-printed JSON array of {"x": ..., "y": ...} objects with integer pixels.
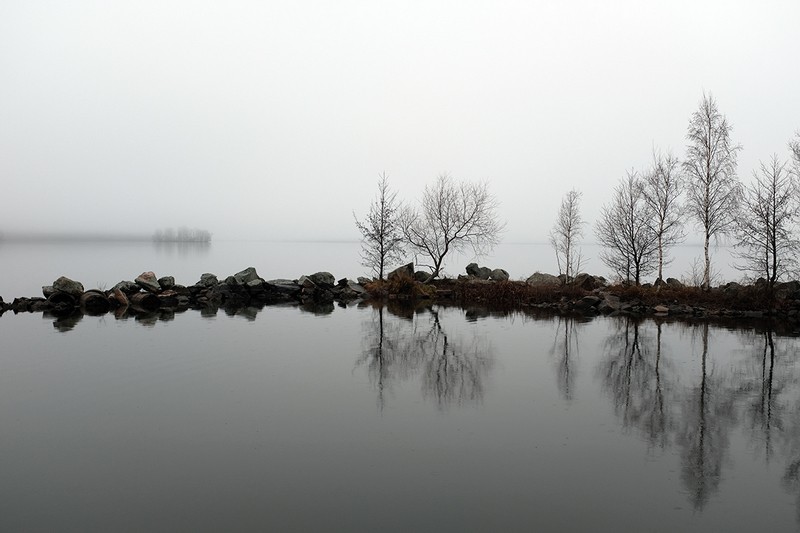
[{"x": 371, "y": 418}]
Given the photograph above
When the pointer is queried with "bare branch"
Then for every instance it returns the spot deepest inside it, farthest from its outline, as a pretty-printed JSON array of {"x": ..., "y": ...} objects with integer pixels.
[{"x": 452, "y": 217}]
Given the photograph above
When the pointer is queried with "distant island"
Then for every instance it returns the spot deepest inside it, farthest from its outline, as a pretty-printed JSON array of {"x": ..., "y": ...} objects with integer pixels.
[{"x": 182, "y": 235}]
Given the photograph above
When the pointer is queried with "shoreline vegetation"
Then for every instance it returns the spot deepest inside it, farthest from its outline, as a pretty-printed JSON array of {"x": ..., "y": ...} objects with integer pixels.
[{"x": 246, "y": 293}]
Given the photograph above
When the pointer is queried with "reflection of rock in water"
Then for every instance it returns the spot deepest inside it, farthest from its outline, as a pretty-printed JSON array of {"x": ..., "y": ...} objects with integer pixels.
[
  {"x": 397, "y": 348},
  {"x": 64, "y": 323}
]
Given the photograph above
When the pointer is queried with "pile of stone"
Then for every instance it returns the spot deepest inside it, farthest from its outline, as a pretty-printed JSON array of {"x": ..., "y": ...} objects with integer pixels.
[
  {"x": 148, "y": 292},
  {"x": 475, "y": 272}
]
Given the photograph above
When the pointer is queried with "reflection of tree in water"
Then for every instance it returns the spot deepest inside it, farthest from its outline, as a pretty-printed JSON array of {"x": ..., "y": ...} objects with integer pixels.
[
  {"x": 565, "y": 350},
  {"x": 396, "y": 348},
  {"x": 708, "y": 416},
  {"x": 772, "y": 405},
  {"x": 761, "y": 386},
  {"x": 632, "y": 374}
]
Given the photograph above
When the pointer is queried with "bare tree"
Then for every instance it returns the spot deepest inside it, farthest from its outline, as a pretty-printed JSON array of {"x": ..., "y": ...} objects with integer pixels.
[
  {"x": 626, "y": 233},
  {"x": 794, "y": 147},
  {"x": 662, "y": 189},
  {"x": 452, "y": 217},
  {"x": 566, "y": 233},
  {"x": 766, "y": 227},
  {"x": 381, "y": 235},
  {"x": 710, "y": 166}
]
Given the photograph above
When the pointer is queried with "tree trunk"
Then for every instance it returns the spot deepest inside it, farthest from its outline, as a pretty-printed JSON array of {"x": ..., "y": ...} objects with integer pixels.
[{"x": 707, "y": 267}]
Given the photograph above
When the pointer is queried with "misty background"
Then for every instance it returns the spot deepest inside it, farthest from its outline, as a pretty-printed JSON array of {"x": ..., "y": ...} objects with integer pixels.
[{"x": 272, "y": 120}]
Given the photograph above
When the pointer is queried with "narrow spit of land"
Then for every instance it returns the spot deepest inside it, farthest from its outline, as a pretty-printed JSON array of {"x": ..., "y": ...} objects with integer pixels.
[{"x": 585, "y": 295}]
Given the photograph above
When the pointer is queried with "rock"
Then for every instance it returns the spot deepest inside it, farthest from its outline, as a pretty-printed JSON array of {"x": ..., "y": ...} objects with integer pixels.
[
  {"x": 672, "y": 282},
  {"x": 73, "y": 288},
  {"x": 306, "y": 283},
  {"x": 48, "y": 290},
  {"x": 661, "y": 309},
  {"x": 246, "y": 276},
  {"x": 283, "y": 286},
  {"x": 539, "y": 278},
  {"x": 148, "y": 282},
  {"x": 128, "y": 287},
  {"x": 612, "y": 301},
  {"x": 484, "y": 273},
  {"x": 207, "y": 280},
  {"x": 120, "y": 297},
  {"x": 166, "y": 283},
  {"x": 231, "y": 281},
  {"x": 94, "y": 302},
  {"x": 404, "y": 271},
  {"x": 256, "y": 286},
  {"x": 587, "y": 302},
  {"x": 145, "y": 300},
  {"x": 363, "y": 281},
  {"x": 62, "y": 301},
  {"x": 498, "y": 274},
  {"x": 421, "y": 276},
  {"x": 323, "y": 279},
  {"x": 585, "y": 282},
  {"x": 473, "y": 269},
  {"x": 168, "y": 298}
]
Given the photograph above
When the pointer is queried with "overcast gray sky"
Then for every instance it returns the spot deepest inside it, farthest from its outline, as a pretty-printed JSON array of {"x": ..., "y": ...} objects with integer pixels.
[{"x": 274, "y": 119}]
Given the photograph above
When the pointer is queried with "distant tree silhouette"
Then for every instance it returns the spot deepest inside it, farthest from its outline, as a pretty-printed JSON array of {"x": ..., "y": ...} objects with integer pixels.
[
  {"x": 662, "y": 186},
  {"x": 625, "y": 230},
  {"x": 566, "y": 233},
  {"x": 766, "y": 228},
  {"x": 710, "y": 167},
  {"x": 381, "y": 234},
  {"x": 453, "y": 217}
]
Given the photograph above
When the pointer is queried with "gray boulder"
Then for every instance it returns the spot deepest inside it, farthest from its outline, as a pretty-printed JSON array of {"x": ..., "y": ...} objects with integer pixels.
[
  {"x": 323, "y": 279},
  {"x": 283, "y": 286},
  {"x": 539, "y": 278},
  {"x": 421, "y": 276},
  {"x": 64, "y": 284},
  {"x": 166, "y": 283},
  {"x": 363, "y": 280},
  {"x": 246, "y": 276},
  {"x": 128, "y": 287},
  {"x": 672, "y": 282},
  {"x": 498, "y": 274},
  {"x": 405, "y": 270},
  {"x": 207, "y": 280},
  {"x": 472, "y": 269},
  {"x": 148, "y": 282}
]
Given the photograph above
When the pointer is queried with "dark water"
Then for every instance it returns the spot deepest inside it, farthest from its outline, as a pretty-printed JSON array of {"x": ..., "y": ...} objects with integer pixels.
[{"x": 385, "y": 419}]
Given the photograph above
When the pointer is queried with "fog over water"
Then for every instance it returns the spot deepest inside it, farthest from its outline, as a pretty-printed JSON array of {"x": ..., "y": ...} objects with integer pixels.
[{"x": 267, "y": 120}]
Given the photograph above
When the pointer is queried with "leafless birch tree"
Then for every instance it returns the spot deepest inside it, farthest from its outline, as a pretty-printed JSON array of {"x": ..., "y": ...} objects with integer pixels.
[
  {"x": 662, "y": 187},
  {"x": 766, "y": 227},
  {"x": 452, "y": 217},
  {"x": 710, "y": 167},
  {"x": 381, "y": 234},
  {"x": 630, "y": 244},
  {"x": 566, "y": 233},
  {"x": 794, "y": 147}
]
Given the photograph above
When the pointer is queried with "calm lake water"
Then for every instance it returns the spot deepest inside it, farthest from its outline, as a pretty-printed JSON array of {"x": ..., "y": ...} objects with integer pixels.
[
  {"x": 367, "y": 418},
  {"x": 386, "y": 419}
]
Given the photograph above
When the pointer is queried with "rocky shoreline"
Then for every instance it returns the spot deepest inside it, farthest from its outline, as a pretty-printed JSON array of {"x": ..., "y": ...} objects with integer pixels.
[{"x": 585, "y": 295}]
